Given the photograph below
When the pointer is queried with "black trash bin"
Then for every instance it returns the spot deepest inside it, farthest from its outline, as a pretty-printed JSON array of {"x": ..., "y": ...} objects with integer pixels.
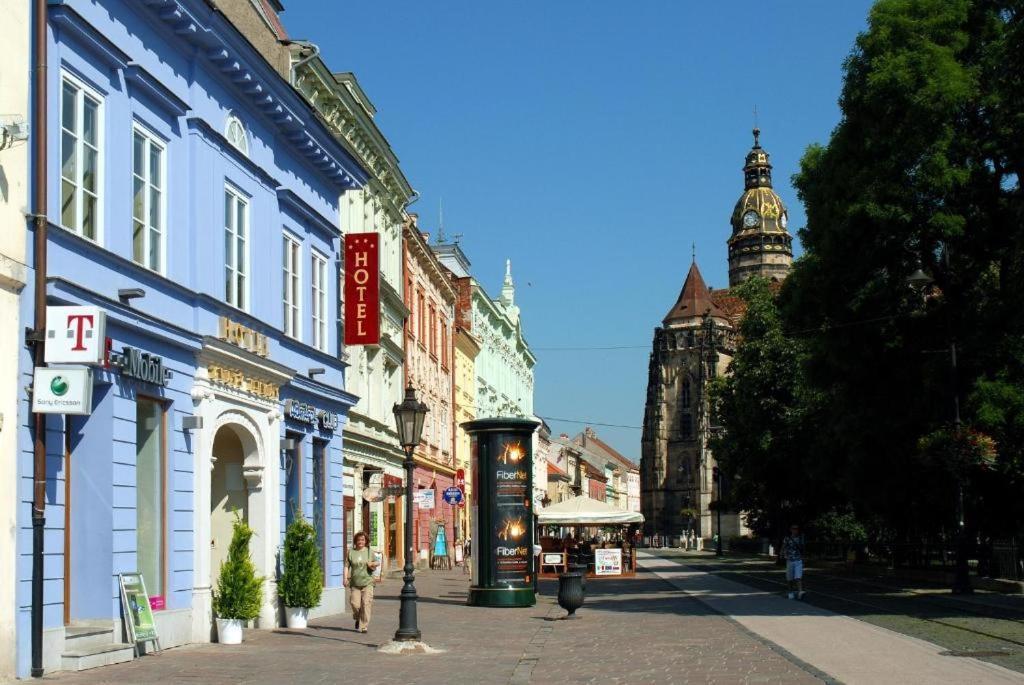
[{"x": 571, "y": 592}]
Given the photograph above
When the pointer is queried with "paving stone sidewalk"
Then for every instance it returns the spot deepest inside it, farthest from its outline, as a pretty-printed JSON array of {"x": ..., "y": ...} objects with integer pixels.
[{"x": 635, "y": 631}]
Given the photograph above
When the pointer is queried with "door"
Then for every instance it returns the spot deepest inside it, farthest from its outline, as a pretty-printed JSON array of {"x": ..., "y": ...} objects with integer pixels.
[{"x": 229, "y": 496}]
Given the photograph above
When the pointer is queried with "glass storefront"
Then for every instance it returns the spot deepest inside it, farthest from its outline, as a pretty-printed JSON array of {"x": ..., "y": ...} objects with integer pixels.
[{"x": 150, "y": 446}]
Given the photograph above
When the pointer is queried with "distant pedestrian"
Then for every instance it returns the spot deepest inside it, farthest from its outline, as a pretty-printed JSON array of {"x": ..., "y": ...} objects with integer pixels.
[
  {"x": 793, "y": 552},
  {"x": 359, "y": 580}
]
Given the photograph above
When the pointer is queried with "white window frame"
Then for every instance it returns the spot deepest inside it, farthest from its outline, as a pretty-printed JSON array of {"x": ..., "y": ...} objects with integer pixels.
[
  {"x": 232, "y": 228},
  {"x": 318, "y": 307},
  {"x": 239, "y": 143},
  {"x": 84, "y": 91},
  {"x": 151, "y": 142},
  {"x": 291, "y": 291}
]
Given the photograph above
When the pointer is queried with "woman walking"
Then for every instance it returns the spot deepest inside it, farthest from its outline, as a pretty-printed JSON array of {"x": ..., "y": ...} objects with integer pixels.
[{"x": 359, "y": 568}]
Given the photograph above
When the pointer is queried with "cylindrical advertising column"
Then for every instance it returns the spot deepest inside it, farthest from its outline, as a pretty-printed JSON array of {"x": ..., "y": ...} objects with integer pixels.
[{"x": 502, "y": 512}]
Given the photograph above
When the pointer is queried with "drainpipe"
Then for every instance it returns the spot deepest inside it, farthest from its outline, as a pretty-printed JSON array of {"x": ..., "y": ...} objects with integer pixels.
[
  {"x": 305, "y": 60},
  {"x": 39, "y": 323}
]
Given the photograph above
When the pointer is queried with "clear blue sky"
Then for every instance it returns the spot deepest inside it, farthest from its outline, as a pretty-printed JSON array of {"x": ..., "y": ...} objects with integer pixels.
[{"x": 591, "y": 143}]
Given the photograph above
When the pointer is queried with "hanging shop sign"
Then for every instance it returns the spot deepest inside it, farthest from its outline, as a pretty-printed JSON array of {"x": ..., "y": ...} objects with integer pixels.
[
  {"x": 136, "y": 605},
  {"x": 460, "y": 478},
  {"x": 244, "y": 337},
  {"x": 307, "y": 413},
  {"x": 75, "y": 335},
  {"x": 62, "y": 390},
  {"x": 237, "y": 379},
  {"x": 453, "y": 496},
  {"x": 141, "y": 366},
  {"x": 362, "y": 289}
]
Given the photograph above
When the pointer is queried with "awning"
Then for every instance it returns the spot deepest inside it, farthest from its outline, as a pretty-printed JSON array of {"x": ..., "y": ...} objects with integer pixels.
[{"x": 583, "y": 510}]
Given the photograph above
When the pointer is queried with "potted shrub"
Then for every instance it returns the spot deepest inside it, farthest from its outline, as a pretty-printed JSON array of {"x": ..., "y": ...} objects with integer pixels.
[
  {"x": 301, "y": 581},
  {"x": 239, "y": 593}
]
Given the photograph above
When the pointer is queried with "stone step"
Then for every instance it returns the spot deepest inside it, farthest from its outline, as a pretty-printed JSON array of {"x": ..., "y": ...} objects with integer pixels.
[
  {"x": 97, "y": 655},
  {"x": 86, "y": 635}
]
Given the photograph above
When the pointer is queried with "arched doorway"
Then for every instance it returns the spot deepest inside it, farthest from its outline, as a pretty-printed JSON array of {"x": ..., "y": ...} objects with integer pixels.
[{"x": 229, "y": 495}]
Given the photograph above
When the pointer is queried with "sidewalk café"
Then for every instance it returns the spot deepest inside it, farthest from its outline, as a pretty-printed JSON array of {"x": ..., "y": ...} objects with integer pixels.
[{"x": 585, "y": 532}]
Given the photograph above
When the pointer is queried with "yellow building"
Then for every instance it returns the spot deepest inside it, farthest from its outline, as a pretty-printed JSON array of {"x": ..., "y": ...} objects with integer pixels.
[{"x": 466, "y": 349}]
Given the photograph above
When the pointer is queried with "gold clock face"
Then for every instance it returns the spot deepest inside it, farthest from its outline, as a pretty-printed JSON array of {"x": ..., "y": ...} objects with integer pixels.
[{"x": 750, "y": 219}]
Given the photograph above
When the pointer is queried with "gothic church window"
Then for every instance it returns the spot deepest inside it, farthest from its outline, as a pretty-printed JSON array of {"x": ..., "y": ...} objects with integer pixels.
[
  {"x": 684, "y": 398},
  {"x": 686, "y": 426}
]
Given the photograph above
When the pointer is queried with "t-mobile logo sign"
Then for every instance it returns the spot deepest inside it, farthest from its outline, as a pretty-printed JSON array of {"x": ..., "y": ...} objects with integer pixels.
[{"x": 75, "y": 335}]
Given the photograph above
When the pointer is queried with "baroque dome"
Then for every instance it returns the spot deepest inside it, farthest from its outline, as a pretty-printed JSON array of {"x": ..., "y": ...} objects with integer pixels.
[{"x": 769, "y": 208}]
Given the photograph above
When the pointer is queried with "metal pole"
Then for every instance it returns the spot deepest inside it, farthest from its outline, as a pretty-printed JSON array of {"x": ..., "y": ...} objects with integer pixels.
[
  {"x": 718, "y": 514},
  {"x": 961, "y": 573},
  {"x": 39, "y": 323},
  {"x": 408, "y": 630}
]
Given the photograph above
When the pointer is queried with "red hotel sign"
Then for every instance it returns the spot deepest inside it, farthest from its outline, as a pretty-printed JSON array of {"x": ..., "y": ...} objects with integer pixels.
[{"x": 362, "y": 289}]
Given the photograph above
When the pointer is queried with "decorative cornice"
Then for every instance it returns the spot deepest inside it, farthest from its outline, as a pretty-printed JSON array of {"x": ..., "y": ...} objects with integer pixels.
[
  {"x": 138, "y": 77},
  {"x": 67, "y": 19},
  {"x": 263, "y": 87},
  {"x": 349, "y": 120}
]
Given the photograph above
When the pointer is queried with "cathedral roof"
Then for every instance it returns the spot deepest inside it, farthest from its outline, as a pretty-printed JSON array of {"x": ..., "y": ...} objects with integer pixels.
[{"x": 694, "y": 300}]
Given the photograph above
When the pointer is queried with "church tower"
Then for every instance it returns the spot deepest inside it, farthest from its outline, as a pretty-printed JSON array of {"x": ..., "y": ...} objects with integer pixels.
[
  {"x": 693, "y": 345},
  {"x": 760, "y": 244}
]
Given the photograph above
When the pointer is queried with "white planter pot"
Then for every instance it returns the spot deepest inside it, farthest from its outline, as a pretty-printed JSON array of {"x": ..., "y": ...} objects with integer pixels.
[
  {"x": 296, "y": 617},
  {"x": 229, "y": 631}
]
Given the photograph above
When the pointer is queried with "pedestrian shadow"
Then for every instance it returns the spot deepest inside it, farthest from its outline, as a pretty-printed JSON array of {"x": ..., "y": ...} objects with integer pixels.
[
  {"x": 425, "y": 600},
  {"x": 326, "y": 637}
]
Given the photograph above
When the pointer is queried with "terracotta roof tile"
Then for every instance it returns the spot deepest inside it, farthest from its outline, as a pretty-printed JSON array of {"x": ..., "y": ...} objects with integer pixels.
[{"x": 694, "y": 299}]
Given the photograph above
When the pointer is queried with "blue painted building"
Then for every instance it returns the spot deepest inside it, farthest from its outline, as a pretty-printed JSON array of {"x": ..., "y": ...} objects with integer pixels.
[{"x": 182, "y": 164}]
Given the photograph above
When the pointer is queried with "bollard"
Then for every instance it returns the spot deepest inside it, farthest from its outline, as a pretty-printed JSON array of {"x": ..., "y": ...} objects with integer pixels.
[{"x": 570, "y": 592}]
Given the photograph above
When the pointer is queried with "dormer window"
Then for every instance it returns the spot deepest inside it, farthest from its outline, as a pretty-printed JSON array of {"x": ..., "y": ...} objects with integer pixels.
[{"x": 234, "y": 131}]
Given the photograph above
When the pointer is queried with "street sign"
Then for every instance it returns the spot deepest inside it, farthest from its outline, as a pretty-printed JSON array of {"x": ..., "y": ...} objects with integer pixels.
[
  {"x": 424, "y": 499},
  {"x": 62, "y": 390},
  {"x": 75, "y": 335},
  {"x": 460, "y": 479},
  {"x": 453, "y": 495}
]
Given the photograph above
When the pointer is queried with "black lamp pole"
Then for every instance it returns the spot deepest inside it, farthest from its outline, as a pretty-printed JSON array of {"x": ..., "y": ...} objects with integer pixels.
[
  {"x": 919, "y": 280},
  {"x": 409, "y": 417},
  {"x": 718, "y": 510}
]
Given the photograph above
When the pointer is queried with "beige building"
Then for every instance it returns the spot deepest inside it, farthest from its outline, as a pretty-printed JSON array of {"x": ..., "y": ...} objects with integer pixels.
[
  {"x": 14, "y": 151},
  {"x": 373, "y": 458}
]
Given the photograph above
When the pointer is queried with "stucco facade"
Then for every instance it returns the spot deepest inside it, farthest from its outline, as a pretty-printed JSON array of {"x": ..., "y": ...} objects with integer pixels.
[
  {"x": 188, "y": 189},
  {"x": 429, "y": 354},
  {"x": 14, "y": 108},
  {"x": 375, "y": 374}
]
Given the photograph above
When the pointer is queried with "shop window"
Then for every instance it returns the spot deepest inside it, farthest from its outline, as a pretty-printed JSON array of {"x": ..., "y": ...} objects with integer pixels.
[
  {"x": 236, "y": 251},
  {"x": 291, "y": 287},
  {"x": 147, "y": 200},
  {"x": 320, "y": 497},
  {"x": 81, "y": 163},
  {"x": 150, "y": 457},
  {"x": 293, "y": 482}
]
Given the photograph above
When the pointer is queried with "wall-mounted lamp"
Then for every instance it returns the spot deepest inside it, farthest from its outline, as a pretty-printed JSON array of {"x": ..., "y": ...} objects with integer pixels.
[
  {"x": 191, "y": 423},
  {"x": 287, "y": 444},
  {"x": 13, "y": 129},
  {"x": 126, "y": 295},
  {"x": 314, "y": 372}
]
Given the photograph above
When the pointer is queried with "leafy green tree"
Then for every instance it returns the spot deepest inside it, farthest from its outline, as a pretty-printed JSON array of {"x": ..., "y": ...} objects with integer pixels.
[
  {"x": 302, "y": 580},
  {"x": 239, "y": 590},
  {"x": 923, "y": 171},
  {"x": 765, "y": 448}
]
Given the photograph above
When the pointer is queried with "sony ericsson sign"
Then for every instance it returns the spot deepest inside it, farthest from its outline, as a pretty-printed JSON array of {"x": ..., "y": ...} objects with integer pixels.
[
  {"x": 141, "y": 366},
  {"x": 307, "y": 413}
]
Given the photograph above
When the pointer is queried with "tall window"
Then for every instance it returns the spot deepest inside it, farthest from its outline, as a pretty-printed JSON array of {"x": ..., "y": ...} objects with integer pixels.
[
  {"x": 147, "y": 200},
  {"x": 421, "y": 318},
  {"x": 686, "y": 427},
  {"x": 684, "y": 399},
  {"x": 319, "y": 285},
  {"x": 291, "y": 287},
  {"x": 150, "y": 451},
  {"x": 80, "y": 141},
  {"x": 433, "y": 330},
  {"x": 236, "y": 256},
  {"x": 320, "y": 497},
  {"x": 292, "y": 481},
  {"x": 444, "y": 344}
]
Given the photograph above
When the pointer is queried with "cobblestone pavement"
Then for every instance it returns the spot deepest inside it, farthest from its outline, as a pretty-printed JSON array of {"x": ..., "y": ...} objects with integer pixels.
[
  {"x": 636, "y": 631},
  {"x": 986, "y": 625}
]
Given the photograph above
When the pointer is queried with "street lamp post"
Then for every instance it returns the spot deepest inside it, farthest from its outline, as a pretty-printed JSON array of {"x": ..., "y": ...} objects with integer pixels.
[
  {"x": 919, "y": 280},
  {"x": 717, "y": 474},
  {"x": 409, "y": 417}
]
